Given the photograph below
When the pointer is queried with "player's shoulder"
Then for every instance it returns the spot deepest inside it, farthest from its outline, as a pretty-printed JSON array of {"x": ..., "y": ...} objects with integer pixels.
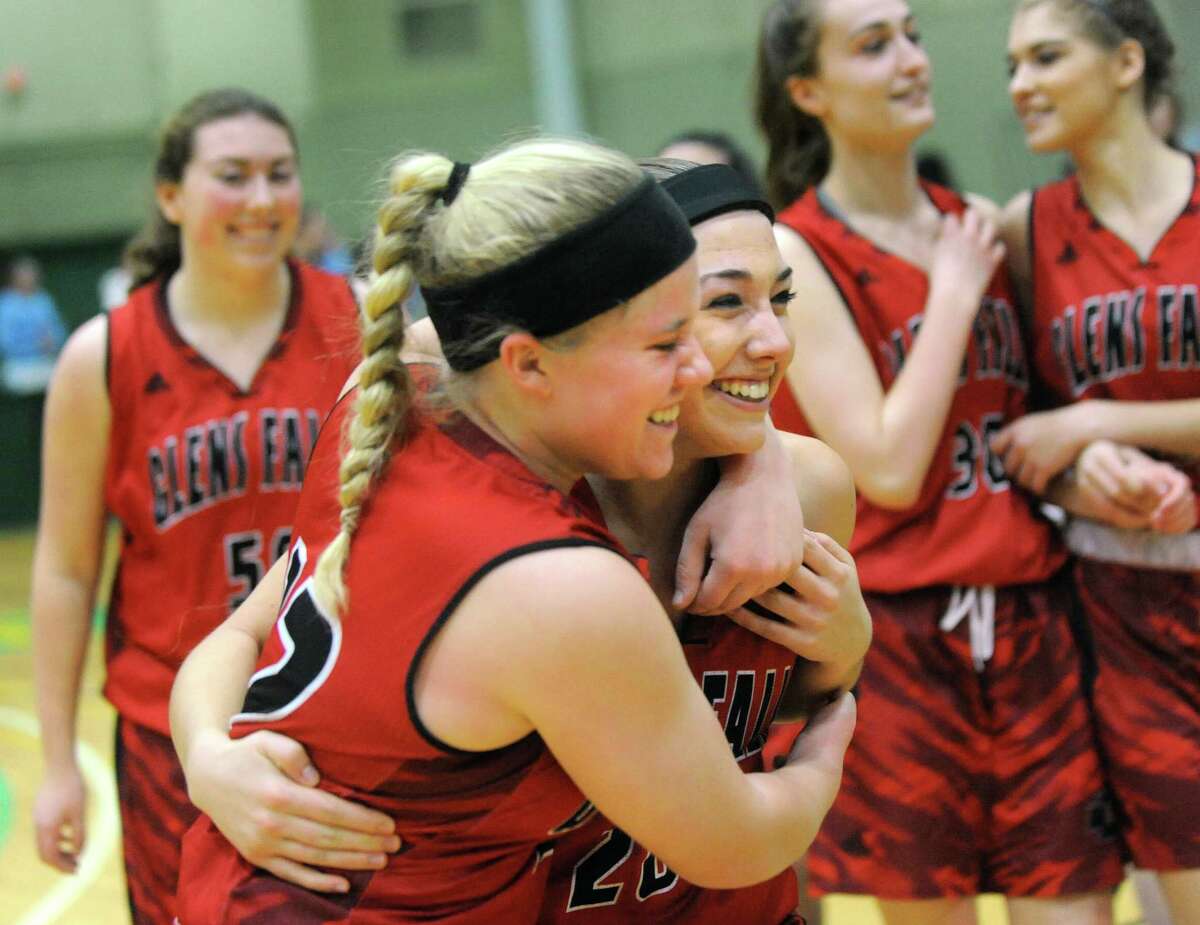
[
  {"x": 825, "y": 486},
  {"x": 983, "y": 205}
]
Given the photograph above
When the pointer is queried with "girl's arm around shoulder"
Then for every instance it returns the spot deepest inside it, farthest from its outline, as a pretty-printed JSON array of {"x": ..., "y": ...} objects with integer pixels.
[{"x": 572, "y": 643}]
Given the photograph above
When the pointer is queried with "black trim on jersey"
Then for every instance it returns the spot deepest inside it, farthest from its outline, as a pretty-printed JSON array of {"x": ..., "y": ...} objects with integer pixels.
[
  {"x": 1030, "y": 310},
  {"x": 482, "y": 572},
  {"x": 1188, "y": 207},
  {"x": 832, "y": 278},
  {"x": 162, "y": 312},
  {"x": 829, "y": 207}
]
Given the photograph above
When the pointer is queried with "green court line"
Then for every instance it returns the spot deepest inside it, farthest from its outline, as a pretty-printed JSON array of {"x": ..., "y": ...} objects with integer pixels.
[
  {"x": 6, "y": 802},
  {"x": 15, "y": 634}
]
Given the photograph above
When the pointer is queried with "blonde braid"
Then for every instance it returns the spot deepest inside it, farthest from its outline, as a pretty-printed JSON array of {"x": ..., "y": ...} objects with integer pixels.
[{"x": 384, "y": 389}]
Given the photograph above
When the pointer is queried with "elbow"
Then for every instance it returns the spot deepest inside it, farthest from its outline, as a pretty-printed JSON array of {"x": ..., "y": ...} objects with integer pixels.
[
  {"x": 732, "y": 873},
  {"x": 892, "y": 490},
  {"x": 746, "y": 854}
]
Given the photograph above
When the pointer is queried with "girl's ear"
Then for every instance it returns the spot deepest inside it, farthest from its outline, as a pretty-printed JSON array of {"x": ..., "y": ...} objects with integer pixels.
[
  {"x": 806, "y": 95},
  {"x": 166, "y": 194},
  {"x": 522, "y": 359},
  {"x": 1129, "y": 62}
]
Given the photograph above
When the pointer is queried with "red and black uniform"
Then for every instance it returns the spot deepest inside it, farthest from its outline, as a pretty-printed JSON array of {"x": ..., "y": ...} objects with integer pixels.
[
  {"x": 1110, "y": 325},
  {"x": 204, "y": 477},
  {"x": 446, "y": 510},
  {"x": 973, "y": 766},
  {"x": 599, "y": 874}
]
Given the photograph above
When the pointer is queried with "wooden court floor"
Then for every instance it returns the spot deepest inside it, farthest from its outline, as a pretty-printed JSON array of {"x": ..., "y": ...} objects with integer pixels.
[{"x": 34, "y": 894}]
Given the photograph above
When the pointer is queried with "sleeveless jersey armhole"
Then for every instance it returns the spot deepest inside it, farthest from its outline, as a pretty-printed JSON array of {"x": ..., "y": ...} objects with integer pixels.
[{"x": 448, "y": 611}]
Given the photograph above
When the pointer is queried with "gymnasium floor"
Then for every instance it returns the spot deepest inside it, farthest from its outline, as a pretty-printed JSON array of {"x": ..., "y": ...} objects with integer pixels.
[{"x": 34, "y": 894}]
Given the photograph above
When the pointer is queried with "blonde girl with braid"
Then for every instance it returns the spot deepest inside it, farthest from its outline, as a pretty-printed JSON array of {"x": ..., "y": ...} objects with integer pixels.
[{"x": 462, "y": 644}]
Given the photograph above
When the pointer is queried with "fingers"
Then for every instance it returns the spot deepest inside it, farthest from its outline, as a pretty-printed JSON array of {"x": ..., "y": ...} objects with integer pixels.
[
  {"x": 333, "y": 823},
  {"x": 60, "y": 845},
  {"x": 1095, "y": 473},
  {"x": 290, "y": 757},
  {"x": 689, "y": 569},
  {"x": 809, "y": 604},
  {"x": 306, "y": 877},
  {"x": 829, "y": 730},
  {"x": 722, "y": 590},
  {"x": 305, "y": 853},
  {"x": 731, "y": 583},
  {"x": 787, "y": 635},
  {"x": 1119, "y": 516},
  {"x": 1176, "y": 512},
  {"x": 834, "y": 548}
]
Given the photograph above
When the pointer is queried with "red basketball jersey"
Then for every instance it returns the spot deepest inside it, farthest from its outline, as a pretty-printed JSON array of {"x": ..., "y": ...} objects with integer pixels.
[
  {"x": 204, "y": 476},
  {"x": 448, "y": 509},
  {"x": 599, "y": 874},
  {"x": 968, "y": 526},
  {"x": 1108, "y": 324}
]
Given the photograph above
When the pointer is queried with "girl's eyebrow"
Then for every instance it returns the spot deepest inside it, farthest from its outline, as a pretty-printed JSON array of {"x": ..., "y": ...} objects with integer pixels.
[
  {"x": 741, "y": 275},
  {"x": 880, "y": 24},
  {"x": 246, "y": 161},
  {"x": 727, "y": 274}
]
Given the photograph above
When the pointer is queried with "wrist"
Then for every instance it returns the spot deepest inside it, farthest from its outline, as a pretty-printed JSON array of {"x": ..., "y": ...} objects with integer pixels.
[
  {"x": 1088, "y": 421},
  {"x": 201, "y": 748},
  {"x": 945, "y": 301}
]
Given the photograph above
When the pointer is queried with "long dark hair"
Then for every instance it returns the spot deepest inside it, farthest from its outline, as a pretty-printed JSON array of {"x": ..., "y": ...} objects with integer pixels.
[
  {"x": 156, "y": 250},
  {"x": 798, "y": 150}
]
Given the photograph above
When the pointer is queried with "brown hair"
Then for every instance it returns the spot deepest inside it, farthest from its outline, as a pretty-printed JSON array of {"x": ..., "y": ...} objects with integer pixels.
[
  {"x": 156, "y": 250},
  {"x": 1110, "y": 22},
  {"x": 797, "y": 147}
]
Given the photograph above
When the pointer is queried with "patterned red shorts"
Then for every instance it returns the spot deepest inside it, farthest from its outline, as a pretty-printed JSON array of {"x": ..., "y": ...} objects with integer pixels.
[
  {"x": 960, "y": 781},
  {"x": 155, "y": 812},
  {"x": 1145, "y": 627}
]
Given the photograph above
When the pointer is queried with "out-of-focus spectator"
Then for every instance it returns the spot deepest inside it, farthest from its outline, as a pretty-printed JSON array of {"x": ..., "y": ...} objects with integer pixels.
[
  {"x": 31, "y": 331},
  {"x": 317, "y": 243},
  {"x": 701, "y": 146},
  {"x": 114, "y": 287}
]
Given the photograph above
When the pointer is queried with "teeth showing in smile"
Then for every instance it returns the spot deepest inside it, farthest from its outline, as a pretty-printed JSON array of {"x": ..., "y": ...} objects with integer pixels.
[
  {"x": 752, "y": 390},
  {"x": 667, "y": 416}
]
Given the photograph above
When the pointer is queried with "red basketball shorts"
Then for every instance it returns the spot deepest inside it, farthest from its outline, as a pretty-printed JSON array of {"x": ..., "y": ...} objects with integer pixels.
[
  {"x": 1145, "y": 627},
  {"x": 155, "y": 812},
  {"x": 961, "y": 781}
]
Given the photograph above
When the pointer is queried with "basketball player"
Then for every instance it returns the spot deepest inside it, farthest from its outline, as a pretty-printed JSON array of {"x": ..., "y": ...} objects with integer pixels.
[
  {"x": 520, "y": 617},
  {"x": 188, "y": 414},
  {"x": 1108, "y": 261},
  {"x": 973, "y": 768}
]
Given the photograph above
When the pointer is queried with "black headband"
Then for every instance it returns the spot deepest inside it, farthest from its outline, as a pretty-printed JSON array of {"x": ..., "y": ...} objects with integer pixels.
[
  {"x": 713, "y": 189},
  {"x": 454, "y": 183},
  {"x": 574, "y": 278}
]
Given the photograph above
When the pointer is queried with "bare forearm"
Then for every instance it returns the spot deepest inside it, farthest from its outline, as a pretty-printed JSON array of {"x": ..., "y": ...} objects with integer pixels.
[
  {"x": 1166, "y": 426},
  {"x": 210, "y": 687},
  {"x": 912, "y": 417},
  {"x": 62, "y": 610}
]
